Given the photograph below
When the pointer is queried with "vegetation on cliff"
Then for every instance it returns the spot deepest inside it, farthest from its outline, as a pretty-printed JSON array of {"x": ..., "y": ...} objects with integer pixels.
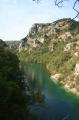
[{"x": 59, "y": 50}]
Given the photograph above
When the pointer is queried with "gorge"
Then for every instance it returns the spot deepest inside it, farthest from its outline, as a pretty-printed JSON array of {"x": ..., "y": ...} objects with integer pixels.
[{"x": 56, "y": 47}]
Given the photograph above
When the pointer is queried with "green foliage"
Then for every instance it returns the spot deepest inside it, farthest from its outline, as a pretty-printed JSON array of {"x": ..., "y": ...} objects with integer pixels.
[
  {"x": 9, "y": 64},
  {"x": 54, "y": 60},
  {"x": 12, "y": 99},
  {"x": 69, "y": 66},
  {"x": 52, "y": 53},
  {"x": 16, "y": 94},
  {"x": 74, "y": 26},
  {"x": 76, "y": 37}
]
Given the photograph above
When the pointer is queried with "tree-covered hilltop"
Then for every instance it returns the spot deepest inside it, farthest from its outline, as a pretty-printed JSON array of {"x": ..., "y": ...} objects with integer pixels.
[
  {"x": 55, "y": 45},
  {"x": 12, "y": 97}
]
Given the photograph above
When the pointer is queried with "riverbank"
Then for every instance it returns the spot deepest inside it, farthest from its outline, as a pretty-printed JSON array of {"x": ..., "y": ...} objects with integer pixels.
[
  {"x": 56, "y": 45},
  {"x": 56, "y": 103},
  {"x": 66, "y": 86}
]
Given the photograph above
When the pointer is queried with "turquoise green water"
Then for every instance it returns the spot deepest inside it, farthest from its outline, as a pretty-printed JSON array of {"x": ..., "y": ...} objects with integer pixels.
[{"x": 53, "y": 103}]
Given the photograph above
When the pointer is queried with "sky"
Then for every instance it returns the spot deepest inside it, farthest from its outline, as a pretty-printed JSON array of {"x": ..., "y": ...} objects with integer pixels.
[{"x": 17, "y": 16}]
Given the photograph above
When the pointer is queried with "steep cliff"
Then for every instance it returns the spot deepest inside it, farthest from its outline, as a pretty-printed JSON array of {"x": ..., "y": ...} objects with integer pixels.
[
  {"x": 41, "y": 33},
  {"x": 55, "y": 45}
]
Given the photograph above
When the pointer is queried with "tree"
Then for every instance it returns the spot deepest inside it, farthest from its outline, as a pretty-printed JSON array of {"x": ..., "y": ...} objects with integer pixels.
[
  {"x": 12, "y": 98},
  {"x": 59, "y": 3},
  {"x": 15, "y": 93}
]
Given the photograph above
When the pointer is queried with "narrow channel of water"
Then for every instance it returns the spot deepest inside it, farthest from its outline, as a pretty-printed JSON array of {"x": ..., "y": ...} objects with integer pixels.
[{"x": 57, "y": 104}]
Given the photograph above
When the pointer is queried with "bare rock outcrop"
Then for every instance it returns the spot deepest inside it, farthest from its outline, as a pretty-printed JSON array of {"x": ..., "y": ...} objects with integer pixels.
[
  {"x": 56, "y": 77},
  {"x": 77, "y": 69},
  {"x": 40, "y": 33}
]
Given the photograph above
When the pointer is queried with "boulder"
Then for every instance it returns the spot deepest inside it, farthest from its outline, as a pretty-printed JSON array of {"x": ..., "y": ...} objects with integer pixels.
[
  {"x": 76, "y": 54},
  {"x": 68, "y": 47},
  {"x": 77, "y": 69},
  {"x": 55, "y": 77}
]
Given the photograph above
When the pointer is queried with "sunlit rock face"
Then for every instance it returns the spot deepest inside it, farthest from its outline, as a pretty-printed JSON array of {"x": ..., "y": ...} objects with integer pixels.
[
  {"x": 41, "y": 33},
  {"x": 56, "y": 45},
  {"x": 65, "y": 36},
  {"x": 62, "y": 25},
  {"x": 68, "y": 47},
  {"x": 56, "y": 77},
  {"x": 76, "y": 54},
  {"x": 77, "y": 69}
]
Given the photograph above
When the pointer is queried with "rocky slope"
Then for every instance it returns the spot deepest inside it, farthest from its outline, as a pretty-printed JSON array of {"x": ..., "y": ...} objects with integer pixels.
[
  {"x": 14, "y": 45},
  {"x": 55, "y": 45},
  {"x": 41, "y": 33}
]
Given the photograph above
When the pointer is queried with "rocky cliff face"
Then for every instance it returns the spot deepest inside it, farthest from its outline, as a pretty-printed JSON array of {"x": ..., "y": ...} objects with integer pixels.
[
  {"x": 55, "y": 45},
  {"x": 41, "y": 33}
]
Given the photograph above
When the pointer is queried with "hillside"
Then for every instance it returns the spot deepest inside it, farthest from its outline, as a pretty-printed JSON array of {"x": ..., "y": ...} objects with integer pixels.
[
  {"x": 41, "y": 33},
  {"x": 56, "y": 45},
  {"x": 13, "y": 45}
]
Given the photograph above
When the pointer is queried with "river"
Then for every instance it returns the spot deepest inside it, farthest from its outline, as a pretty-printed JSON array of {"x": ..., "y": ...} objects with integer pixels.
[{"x": 56, "y": 104}]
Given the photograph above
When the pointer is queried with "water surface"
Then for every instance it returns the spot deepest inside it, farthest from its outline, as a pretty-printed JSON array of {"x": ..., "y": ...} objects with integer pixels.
[{"x": 57, "y": 104}]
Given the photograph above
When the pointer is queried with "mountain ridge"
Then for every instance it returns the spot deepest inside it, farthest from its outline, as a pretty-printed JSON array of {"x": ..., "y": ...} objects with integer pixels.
[
  {"x": 56, "y": 45},
  {"x": 40, "y": 31}
]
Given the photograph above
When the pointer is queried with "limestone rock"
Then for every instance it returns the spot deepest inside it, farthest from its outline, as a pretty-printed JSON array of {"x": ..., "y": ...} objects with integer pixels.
[
  {"x": 51, "y": 47},
  {"x": 77, "y": 69},
  {"x": 62, "y": 25},
  {"x": 42, "y": 32},
  {"x": 76, "y": 54},
  {"x": 23, "y": 45},
  {"x": 55, "y": 77},
  {"x": 65, "y": 36},
  {"x": 77, "y": 43},
  {"x": 68, "y": 47}
]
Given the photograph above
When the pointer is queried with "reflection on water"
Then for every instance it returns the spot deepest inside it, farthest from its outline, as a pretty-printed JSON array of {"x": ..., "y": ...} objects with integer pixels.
[{"x": 52, "y": 102}]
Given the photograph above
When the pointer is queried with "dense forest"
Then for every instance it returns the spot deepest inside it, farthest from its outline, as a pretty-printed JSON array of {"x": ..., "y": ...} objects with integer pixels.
[
  {"x": 12, "y": 96},
  {"x": 15, "y": 93}
]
